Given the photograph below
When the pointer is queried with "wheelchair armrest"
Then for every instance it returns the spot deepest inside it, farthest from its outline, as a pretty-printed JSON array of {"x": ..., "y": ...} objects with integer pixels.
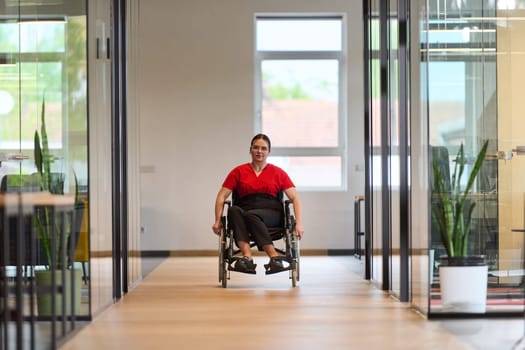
[
  {"x": 227, "y": 204},
  {"x": 289, "y": 215},
  {"x": 287, "y": 208}
]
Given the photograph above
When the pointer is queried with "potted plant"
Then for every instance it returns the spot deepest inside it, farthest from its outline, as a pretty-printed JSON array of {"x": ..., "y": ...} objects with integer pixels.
[
  {"x": 452, "y": 208},
  {"x": 49, "y": 226}
]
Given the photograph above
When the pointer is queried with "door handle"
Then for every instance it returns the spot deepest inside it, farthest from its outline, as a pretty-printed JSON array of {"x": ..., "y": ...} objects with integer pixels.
[
  {"x": 507, "y": 155},
  {"x": 519, "y": 150}
]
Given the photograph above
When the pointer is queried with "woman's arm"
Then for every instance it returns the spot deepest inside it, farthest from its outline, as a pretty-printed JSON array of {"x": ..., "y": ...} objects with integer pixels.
[
  {"x": 292, "y": 195},
  {"x": 219, "y": 205}
]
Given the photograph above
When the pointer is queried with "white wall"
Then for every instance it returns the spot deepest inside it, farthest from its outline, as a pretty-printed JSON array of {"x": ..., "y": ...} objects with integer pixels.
[{"x": 196, "y": 106}]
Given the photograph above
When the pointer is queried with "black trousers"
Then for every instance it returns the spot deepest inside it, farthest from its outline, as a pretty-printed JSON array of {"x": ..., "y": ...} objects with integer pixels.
[{"x": 251, "y": 218}]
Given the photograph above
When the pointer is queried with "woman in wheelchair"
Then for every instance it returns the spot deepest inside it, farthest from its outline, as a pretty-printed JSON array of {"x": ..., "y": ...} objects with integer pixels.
[{"x": 257, "y": 185}]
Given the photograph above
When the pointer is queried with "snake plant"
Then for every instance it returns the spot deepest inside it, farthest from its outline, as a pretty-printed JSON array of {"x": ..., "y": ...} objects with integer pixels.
[
  {"x": 47, "y": 223},
  {"x": 451, "y": 209}
]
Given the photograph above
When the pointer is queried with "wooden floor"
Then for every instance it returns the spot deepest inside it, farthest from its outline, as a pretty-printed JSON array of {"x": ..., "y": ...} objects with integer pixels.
[{"x": 181, "y": 306}]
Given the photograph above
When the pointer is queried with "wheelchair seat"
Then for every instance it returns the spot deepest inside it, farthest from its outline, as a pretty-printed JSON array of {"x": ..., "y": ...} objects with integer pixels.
[{"x": 229, "y": 254}]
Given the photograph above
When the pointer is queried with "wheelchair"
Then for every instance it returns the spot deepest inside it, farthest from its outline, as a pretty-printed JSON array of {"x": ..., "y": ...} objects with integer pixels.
[{"x": 290, "y": 251}]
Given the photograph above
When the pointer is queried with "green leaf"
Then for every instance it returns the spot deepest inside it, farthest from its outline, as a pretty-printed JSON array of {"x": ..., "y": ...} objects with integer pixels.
[
  {"x": 451, "y": 211},
  {"x": 38, "y": 153}
]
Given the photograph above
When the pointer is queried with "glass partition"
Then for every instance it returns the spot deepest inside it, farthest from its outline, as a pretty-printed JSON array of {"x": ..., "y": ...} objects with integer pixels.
[
  {"x": 474, "y": 68},
  {"x": 376, "y": 194},
  {"x": 43, "y": 90},
  {"x": 420, "y": 254},
  {"x": 393, "y": 92}
]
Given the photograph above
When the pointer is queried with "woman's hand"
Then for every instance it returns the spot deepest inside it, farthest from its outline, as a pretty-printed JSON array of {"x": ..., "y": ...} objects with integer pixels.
[
  {"x": 217, "y": 227},
  {"x": 299, "y": 230},
  {"x": 292, "y": 195},
  {"x": 219, "y": 207}
]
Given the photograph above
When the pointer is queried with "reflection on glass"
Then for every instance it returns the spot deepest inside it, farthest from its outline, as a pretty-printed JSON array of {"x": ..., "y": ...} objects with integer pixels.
[
  {"x": 375, "y": 161},
  {"x": 45, "y": 59},
  {"x": 471, "y": 74}
]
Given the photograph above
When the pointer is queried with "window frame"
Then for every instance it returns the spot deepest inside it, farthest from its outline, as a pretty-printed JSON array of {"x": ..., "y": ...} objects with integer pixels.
[{"x": 341, "y": 57}]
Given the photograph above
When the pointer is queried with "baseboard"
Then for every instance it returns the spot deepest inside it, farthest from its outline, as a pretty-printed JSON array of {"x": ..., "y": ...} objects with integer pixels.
[
  {"x": 195, "y": 253},
  {"x": 154, "y": 253},
  {"x": 333, "y": 252}
]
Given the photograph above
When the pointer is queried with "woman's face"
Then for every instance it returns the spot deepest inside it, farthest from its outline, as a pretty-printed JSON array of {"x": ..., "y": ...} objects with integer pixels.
[{"x": 259, "y": 150}]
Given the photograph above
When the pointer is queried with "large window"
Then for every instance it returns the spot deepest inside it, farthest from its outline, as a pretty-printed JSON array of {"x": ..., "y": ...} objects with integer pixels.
[{"x": 300, "y": 78}]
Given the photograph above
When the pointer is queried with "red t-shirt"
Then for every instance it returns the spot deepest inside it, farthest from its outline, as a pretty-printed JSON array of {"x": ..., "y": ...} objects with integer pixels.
[{"x": 270, "y": 181}]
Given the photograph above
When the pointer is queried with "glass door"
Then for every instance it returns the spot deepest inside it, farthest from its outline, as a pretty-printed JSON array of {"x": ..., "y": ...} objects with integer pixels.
[{"x": 509, "y": 266}]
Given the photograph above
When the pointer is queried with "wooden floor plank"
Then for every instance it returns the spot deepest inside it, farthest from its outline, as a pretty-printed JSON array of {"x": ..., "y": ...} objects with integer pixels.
[{"x": 181, "y": 306}]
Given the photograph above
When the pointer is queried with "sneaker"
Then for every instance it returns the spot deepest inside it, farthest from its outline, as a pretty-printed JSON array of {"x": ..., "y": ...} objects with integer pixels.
[
  {"x": 245, "y": 264},
  {"x": 275, "y": 265}
]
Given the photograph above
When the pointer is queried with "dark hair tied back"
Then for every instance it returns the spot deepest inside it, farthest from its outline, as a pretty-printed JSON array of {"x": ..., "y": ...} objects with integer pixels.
[{"x": 263, "y": 137}]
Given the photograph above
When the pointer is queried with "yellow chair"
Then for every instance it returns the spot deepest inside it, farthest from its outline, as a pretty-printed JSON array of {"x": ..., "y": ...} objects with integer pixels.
[{"x": 82, "y": 249}]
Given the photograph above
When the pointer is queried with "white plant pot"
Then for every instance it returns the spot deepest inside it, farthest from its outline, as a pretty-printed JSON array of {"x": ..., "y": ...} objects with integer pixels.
[
  {"x": 464, "y": 288},
  {"x": 44, "y": 300},
  {"x": 431, "y": 266}
]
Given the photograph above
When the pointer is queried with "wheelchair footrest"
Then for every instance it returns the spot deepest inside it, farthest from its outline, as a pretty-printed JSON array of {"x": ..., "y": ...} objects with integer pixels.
[
  {"x": 251, "y": 272},
  {"x": 238, "y": 265},
  {"x": 276, "y": 265},
  {"x": 272, "y": 271}
]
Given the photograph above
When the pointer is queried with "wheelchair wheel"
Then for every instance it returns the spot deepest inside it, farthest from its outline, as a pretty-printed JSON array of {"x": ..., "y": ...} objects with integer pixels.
[
  {"x": 293, "y": 254},
  {"x": 221, "y": 258},
  {"x": 223, "y": 273},
  {"x": 295, "y": 275},
  {"x": 296, "y": 254},
  {"x": 225, "y": 280}
]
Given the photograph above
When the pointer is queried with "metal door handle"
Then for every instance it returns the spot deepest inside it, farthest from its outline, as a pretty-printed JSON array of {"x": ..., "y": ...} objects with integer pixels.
[{"x": 519, "y": 150}]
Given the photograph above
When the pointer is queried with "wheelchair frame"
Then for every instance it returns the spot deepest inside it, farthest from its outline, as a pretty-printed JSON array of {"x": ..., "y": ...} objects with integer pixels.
[{"x": 229, "y": 253}]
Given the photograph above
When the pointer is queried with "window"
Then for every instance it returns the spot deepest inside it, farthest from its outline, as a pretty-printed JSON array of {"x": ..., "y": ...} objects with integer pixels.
[
  {"x": 43, "y": 59},
  {"x": 33, "y": 69},
  {"x": 300, "y": 78}
]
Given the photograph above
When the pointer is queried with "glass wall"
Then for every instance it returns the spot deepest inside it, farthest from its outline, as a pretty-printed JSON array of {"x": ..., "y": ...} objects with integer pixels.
[
  {"x": 464, "y": 92},
  {"x": 375, "y": 163},
  {"x": 420, "y": 253},
  {"x": 393, "y": 93},
  {"x": 43, "y": 110},
  {"x": 385, "y": 122},
  {"x": 473, "y": 66}
]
